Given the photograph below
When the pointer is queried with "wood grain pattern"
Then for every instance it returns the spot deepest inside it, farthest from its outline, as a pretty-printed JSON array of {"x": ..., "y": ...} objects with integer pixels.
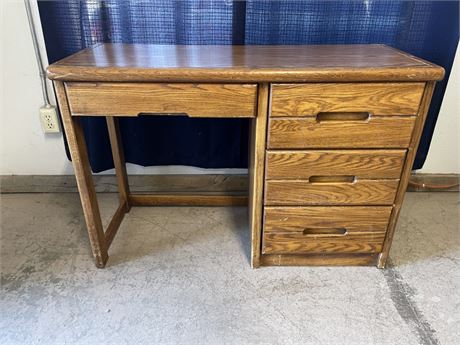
[
  {"x": 374, "y": 164},
  {"x": 286, "y": 243},
  {"x": 194, "y": 100},
  {"x": 284, "y": 229},
  {"x": 256, "y": 172},
  {"x": 378, "y": 132},
  {"x": 407, "y": 169},
  {"x": 318, "y": 259},
  {"x": 302, "y": 192},
  {"x": 78, "y": 151},
  {"x": 187, "y": 200},
  {"x": 356, "y": 218},
  {"x": 257, "y": 63},
  {"x": 374, "y": 98}
]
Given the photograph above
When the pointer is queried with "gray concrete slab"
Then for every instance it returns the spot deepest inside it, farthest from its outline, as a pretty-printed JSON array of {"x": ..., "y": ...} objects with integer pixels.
[{"x": 182, "y": 276}]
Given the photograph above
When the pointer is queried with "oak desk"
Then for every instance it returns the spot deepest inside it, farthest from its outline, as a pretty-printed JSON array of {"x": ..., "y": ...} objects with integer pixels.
[{"x": 334, "y": 132}]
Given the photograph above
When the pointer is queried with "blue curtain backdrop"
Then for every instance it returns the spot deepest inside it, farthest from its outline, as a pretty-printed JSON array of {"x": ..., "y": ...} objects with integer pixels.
[{"x": 428, "y": 29}]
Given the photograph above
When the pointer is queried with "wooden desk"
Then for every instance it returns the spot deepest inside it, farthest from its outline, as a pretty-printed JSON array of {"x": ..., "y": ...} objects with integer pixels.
[{"x": 334, "y": 134}]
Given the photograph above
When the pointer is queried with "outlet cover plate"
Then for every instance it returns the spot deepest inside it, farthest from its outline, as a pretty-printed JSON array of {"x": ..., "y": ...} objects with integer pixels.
[{"x": 49, "y": 119}]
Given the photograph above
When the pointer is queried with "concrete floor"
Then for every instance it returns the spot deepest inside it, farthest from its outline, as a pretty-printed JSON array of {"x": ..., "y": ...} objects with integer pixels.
[{"x": 181, "y": 276}]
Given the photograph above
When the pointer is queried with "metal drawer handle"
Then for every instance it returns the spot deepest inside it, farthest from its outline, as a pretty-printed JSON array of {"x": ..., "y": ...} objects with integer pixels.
[
  {"x": 333, "y": 179},
  {"x": 324, "y": 232},
  {"x": 343, "y": 116}
]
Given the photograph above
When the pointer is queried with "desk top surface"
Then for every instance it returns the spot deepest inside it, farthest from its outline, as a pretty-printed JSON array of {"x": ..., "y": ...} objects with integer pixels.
[{"x": 226, "y": 63}]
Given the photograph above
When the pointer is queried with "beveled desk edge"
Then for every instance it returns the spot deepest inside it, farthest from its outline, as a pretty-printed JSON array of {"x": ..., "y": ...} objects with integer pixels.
[{"x": 99, "y": 68}]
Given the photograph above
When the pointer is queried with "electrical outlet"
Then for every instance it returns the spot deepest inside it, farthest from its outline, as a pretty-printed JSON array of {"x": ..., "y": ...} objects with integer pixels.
[{"x": 49, "y": 119}]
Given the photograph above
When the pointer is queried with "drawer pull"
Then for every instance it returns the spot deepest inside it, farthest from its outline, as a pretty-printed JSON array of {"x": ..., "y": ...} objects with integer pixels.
[
  {"x": 343, "y": 116},
  {"x": 332, "y": 179},
  {"x": 163, "y": 114},
  {"x": 324, "y": 232}
]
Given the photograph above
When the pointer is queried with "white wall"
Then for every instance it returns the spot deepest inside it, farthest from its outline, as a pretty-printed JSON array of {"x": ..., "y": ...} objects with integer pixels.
[
  {"x": 24, "y": 147},
  {"x": 26, "y": 150},
  {"x": 444, "y": 154}
]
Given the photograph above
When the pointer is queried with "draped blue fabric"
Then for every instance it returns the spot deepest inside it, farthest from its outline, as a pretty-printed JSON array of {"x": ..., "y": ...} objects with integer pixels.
[{"x": 428, "y": 29}]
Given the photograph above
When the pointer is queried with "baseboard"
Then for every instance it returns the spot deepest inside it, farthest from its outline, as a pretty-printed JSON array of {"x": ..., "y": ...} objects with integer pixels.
[
  {"x": 215, "y": 183},
  {"x": 233, "y": 184},
  {"x": 434, "y": 183}
]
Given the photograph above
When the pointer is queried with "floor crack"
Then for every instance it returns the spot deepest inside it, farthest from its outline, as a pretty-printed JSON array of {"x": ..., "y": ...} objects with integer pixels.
[{"x": 402, "y": 296}]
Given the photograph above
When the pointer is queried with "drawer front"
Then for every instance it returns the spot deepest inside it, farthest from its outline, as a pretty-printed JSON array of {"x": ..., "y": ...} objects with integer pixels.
[
  {"x": 373, "y": 98},
  {"x": 375, "y": 132},
  {"x": 132, "y": 99},
  {"x": 329, "y": 192},
  {"x": 373, "y": 164},
  {"x": 305, "y": 230}
]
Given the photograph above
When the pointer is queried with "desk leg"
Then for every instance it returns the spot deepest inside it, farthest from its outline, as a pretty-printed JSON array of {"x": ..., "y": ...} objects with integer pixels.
[
  {"x": 256, "y": 172},
  {"x": 119, "y": 161},
  {"x": 78, "y": 151}
]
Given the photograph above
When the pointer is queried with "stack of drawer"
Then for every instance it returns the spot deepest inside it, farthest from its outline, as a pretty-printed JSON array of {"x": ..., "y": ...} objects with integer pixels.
[{"x": 335, "y": 152}]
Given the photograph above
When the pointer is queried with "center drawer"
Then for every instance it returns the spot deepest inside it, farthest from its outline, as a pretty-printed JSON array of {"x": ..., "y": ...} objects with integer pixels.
[
  {"x": 132, "y": 99},
  {"x": 305, "y": 230}
]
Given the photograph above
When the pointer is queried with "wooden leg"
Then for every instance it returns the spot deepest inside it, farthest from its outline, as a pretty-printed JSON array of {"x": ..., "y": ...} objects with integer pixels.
[
  {"x": 78, "y": 151},
  {"x": 256, "y": 172},
  {"x": 119, "y": 161}
]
